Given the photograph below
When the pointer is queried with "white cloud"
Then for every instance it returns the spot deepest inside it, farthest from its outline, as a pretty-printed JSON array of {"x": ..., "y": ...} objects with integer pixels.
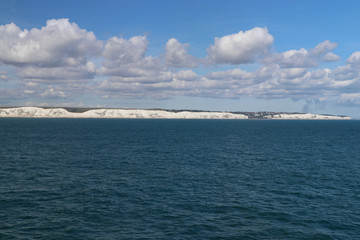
[
  {"x": 126, "y": 58},
  {"x": 242, "y": 47},
  {"x": 177, "y": 56},
  {"x": 120, "y": 50},
  {"x": 323, "y": 48},
  {"x": 303, "y": 58},
  {"x": 52, "y": 93},
  {"x": 346, "y": 72},
  {"x": 354, "y": 58},
  {"x": 125, "y": 61},
  {"x": 331, "y": 57},
  {"x": 291, "y": 73},
  {"x": 147, "y": 66},
  {"x": 184, "y": 80},
  {"x": 233, "y": 74},
  {"x": 293, "y": 59},
  {"x": 59, "y": 51},
  {"x": 59, "y": 43},
  {"x": 187, "y": 75}
]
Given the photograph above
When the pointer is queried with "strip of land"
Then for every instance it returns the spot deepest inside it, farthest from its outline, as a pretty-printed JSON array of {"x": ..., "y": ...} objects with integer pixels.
[{"x": 37, "y": 112}]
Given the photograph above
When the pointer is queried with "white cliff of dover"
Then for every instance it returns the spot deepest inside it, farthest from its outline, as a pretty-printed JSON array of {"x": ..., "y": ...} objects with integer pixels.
[{"x": 36, "y": 112}]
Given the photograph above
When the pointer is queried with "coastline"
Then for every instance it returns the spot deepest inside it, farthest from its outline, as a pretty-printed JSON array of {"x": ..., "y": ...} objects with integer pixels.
[{"x": 38, "y": 112}]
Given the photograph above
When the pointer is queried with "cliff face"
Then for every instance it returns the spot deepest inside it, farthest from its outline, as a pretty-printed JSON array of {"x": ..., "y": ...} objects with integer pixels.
[
  {"x": 305, "y": 116},
  {"x": 35, "y": 112}
]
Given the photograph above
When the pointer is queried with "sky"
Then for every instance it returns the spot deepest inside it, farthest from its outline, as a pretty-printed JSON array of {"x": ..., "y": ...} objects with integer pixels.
[{"x": 256, "y": 55}]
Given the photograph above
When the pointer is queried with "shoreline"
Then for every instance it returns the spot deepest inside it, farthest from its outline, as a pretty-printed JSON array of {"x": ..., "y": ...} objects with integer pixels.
[{"x": 39, "y": 112}]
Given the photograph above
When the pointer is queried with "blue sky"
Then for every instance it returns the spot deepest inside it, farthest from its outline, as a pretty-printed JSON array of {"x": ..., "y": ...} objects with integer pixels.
[{"x": 295, "y": 56}]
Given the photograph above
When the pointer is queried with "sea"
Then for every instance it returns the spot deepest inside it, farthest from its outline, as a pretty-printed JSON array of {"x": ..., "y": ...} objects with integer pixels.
[{"x": 179, "y": 179}]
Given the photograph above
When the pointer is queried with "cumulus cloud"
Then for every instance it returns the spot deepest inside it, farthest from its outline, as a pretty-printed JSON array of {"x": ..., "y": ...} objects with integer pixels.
[
  {"x": 120, "y": 50},
  {"x": 346, "y": 72},
  {"x": 242, "y": 47},
  {"x": 177, "y": 56},
  {"x": 126, "y": 58},
  {"x": 291, "y": 73},
  {"x": 187, "y": 75},
  {"x": 331, "y": 57},
  {"x": 125, "y": 61},
  {"x": 237, "y": 74},
  {"x": 293, "y": 59},
  {"x": 323, "y": 47},
  {"x": 59, "y": 51},
  {"x": 147, "y": 66},
  {"x": 303, "y": 58},
  {"x": 59, "y": 43},
  {"x": 52, "y": 93},
  {"x": 354, "y": 58},
  {"x": 184, "y": 80}
]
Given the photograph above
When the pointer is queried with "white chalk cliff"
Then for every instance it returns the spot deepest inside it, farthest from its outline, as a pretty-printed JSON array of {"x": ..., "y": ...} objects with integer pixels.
[
  {"x": 35, "y": 112},
  {"x": 305, "y": 116}
]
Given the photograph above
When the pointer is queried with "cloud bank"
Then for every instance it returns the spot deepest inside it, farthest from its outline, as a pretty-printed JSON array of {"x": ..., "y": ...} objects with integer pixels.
[{"x": 64, "y": 61}]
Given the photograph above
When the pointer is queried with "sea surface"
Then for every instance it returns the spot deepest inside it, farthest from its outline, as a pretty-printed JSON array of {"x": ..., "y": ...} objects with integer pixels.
[{"x": 179, "y": 179}]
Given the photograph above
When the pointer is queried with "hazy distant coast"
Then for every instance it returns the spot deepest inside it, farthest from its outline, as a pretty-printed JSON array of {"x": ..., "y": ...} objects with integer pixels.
[{"x": 37, "y": 112}]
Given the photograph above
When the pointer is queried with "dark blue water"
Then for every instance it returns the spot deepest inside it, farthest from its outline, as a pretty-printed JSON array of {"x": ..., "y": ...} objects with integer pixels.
[{"x": 179, "y": 179}]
